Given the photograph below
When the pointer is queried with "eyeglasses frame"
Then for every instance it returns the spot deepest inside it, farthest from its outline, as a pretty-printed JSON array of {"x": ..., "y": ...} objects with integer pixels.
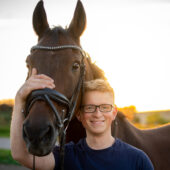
[{"x": 96, "y": 106}]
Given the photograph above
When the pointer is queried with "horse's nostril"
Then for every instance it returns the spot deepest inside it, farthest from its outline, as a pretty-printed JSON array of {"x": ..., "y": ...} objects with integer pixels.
[
  {"x": 47, "y": 133},
  {"x": 35, "y": 135},
  {"x": 26, "y": 134}
]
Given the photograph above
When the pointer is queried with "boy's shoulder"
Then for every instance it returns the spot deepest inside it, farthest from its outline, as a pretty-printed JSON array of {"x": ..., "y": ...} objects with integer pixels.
[
  {"x": 122, "y": 146},
  {"x": 134, "y": 154}
]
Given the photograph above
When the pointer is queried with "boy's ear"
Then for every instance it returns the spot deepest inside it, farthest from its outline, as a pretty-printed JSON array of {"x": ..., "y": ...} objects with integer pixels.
[{"x": 115, "y": 110}]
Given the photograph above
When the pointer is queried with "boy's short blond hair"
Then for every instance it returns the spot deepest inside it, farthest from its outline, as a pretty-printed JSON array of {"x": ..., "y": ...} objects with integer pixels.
[{"x": 98, "y": 85}]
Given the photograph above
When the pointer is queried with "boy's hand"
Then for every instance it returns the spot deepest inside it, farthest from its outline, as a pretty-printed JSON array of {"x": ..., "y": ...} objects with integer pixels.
[{"x": 34, "y": 82}]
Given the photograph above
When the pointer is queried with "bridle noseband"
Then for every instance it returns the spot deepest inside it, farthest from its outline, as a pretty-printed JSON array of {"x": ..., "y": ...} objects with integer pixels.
[{"x": 49, "y": 95}]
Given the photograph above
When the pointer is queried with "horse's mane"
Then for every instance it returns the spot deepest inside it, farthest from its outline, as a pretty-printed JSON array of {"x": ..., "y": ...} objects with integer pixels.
[
  {"x": 121, "y": 115},
  {"x": 97, "y": 72}
]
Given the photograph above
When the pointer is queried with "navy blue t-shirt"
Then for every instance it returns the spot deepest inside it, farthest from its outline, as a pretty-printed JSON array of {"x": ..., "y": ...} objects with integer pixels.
[{"x": 120, "y": 156}]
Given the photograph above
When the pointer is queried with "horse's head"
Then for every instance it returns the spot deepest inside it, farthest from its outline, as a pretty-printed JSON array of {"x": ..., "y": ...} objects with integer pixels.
[{"x": 40, "y": 128}]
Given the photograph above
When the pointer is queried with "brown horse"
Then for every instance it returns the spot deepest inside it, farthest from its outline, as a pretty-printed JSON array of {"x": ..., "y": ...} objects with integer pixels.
[{"x": 40, "y": 128}]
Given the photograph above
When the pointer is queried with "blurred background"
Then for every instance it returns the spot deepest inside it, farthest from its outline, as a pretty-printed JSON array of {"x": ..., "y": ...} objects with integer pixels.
[{"x": 129, "y": 40}]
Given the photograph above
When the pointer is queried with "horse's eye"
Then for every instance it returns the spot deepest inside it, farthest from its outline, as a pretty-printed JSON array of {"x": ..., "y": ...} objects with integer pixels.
[{"x": 76, "y": 66}]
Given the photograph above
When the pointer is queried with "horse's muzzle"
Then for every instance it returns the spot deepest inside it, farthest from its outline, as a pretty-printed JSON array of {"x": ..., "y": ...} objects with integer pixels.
[{"x": 39, "y": 141}]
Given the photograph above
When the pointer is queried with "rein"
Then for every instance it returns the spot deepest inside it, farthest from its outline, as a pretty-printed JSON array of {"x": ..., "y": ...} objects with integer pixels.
[{"x": 49, "y": 95}]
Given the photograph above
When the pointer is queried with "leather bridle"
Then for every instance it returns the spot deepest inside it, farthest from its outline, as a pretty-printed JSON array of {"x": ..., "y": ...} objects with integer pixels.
[{"x": 49, "y": 95}]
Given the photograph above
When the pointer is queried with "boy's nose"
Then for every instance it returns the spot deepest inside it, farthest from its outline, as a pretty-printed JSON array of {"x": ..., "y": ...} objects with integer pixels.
[{"x": 97, "y": 112}]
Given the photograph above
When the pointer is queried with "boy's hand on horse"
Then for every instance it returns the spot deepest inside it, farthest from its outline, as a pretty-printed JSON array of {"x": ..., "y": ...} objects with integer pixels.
[{"x": 34, "y": 82}]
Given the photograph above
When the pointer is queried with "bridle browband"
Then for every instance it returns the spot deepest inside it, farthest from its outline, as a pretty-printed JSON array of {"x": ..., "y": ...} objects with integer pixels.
[
  {"x": 49, "y": 95},
  {"x": 54, "y": 48}
]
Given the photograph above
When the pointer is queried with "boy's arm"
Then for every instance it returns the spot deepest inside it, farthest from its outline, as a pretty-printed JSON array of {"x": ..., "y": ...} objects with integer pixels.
[{"x": 18, "y": 147}]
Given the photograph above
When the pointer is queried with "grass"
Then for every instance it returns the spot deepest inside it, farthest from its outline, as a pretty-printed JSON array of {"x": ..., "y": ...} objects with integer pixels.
[
  {"x": 6, "y": 158},
  {"x": 4, "y": 131},
  {"x": 5, "y": 118}
]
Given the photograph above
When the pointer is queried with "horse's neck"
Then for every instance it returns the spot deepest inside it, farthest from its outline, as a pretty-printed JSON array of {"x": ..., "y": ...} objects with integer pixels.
[{"x": 127, "y": 132}]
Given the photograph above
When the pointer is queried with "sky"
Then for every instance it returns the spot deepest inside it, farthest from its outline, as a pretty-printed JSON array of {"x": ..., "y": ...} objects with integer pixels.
[{"x": 129, "y": 40}]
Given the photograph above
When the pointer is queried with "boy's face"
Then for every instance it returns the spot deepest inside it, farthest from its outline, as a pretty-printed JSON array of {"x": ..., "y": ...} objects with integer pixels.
[{"x": 97, "y": 123}]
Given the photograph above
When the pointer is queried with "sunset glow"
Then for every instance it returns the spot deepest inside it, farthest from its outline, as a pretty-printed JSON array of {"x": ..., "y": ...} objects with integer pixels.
[{"x": 129, "y": 41}]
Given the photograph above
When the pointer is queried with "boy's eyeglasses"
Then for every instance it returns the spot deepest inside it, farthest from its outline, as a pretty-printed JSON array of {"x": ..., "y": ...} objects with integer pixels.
[{"x": 92, "y": 108}]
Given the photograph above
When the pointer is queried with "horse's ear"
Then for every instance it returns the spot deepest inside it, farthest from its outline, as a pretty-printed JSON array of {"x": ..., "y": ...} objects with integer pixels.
[
  {"x": 78, "y": 23},
  {"x": 40, "y": 23}
]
